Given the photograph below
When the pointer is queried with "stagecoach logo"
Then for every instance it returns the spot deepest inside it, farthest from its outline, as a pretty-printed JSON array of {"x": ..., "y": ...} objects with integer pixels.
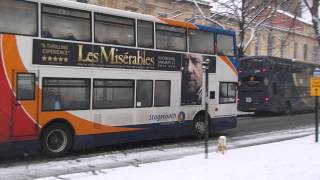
[
  {"x": 173, "y": 116},
  {"x": 86, "y": 55},
  {"x": 181, "y": 117}
]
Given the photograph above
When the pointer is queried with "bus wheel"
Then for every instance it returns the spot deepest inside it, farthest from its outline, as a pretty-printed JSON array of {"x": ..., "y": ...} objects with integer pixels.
[
  {"x": 199, "y": 127},
  {"x": 56, "y": 140}
]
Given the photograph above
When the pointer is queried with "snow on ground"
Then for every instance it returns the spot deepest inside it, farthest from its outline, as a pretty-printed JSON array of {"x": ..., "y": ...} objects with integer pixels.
[{"x": 295, "y": 159}]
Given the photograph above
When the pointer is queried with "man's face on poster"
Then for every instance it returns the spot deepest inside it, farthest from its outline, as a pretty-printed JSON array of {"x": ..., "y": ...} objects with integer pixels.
[{"x": 192, "y": 72}]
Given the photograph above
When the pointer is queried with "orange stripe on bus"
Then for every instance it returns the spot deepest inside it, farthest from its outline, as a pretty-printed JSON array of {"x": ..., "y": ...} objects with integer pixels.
[
  {"x": 13, "y": 61},
  {"x": 226, "y": 60},
  {"x": 179, "y": 23}
]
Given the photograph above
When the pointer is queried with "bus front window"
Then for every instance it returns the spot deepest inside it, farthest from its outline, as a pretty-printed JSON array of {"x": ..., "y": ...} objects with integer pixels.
[{"x": 251, "y": 64}]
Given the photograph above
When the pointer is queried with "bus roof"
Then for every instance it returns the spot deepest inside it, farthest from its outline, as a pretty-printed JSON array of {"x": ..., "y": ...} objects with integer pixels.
[
  {"x": 278, "y": 58},
  {"x": 128, "y": 14}
]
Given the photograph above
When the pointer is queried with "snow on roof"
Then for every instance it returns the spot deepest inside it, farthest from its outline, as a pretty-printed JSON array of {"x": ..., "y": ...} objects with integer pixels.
[
  {"x": 303, "y": 20},
  {"x": 202, "y": 2}
]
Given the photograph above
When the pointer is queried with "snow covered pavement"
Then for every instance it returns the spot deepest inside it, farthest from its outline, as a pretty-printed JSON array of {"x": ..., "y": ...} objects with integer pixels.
[{"x": 296, "y": 159}]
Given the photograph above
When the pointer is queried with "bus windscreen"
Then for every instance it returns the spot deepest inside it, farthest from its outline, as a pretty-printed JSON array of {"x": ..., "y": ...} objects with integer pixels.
[{"x": 251, "y": 63}]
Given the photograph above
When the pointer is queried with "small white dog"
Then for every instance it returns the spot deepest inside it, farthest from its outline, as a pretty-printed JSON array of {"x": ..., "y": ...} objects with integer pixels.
[{"x": 222, "y": 144}]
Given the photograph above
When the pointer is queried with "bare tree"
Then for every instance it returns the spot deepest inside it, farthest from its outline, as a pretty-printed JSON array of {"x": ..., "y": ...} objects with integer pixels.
[
  {"x": 313, "y": 7},
  {"x": 251, "y": 16}
]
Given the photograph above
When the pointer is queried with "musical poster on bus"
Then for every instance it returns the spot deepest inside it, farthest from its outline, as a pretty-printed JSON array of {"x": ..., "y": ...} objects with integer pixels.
[
  {"x": 192, "y": 77},
  {"x": 72, "y": 54}
]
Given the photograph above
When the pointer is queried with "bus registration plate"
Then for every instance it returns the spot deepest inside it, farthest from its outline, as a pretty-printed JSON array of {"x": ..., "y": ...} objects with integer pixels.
[{"x": 248, "y": 99}]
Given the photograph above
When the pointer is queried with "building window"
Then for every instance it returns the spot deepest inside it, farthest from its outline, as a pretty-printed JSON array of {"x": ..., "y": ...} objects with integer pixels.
[
  {"x": 65, "y": 23},
  {"x": 270, "y": 44},
  {"x": 114, "y": 30},
  {"x": 65, "y": 94},
  {"x": 228, "y": 92},
  {"x": 257, "y": 46},
  {"x": 295, "y": 50},
  {"x": 145, "y": 34},
  {"x": 109, "y": 94},
  {"x": 225, "y": 45},
  {"x": 316, "y": 54},
  {"x": 26, "y": 86},
  {"x": 282, "y": 45},
  {"x": 162, "y": 93},
  {"x": 144, "y": 93},
  {"x": 171, "y": 38},
  {"x": 201, "y": 41},
  {"x": 305, "y": 52},
  {"x": 19, "y": 17}
]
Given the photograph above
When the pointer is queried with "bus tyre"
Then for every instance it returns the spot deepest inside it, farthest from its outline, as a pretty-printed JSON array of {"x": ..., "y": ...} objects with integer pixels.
[
  {"x": 199, "y": 127},
  {"x": 56, "y": 140}
]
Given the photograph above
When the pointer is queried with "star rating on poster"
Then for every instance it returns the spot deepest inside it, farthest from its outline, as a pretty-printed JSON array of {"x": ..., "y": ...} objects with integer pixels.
[{"x": 54, "y": 59}]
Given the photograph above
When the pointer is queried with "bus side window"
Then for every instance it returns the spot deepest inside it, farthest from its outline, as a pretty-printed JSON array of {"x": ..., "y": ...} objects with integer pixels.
[
  {"x": 25, "y": 86},
  {"x": 63, "y": 23},
  {"x": 227, "y": 92},
  {"x": 18, "y": 17},
  {"x": 201, "y": 41},
  {"x": 162, "y": 93},
  {"x": 111, "y": 29},
  {"x": 171, "y": 37},
  {"x": 144, "y": 93},
  {"x": 113, "y": 93},
  {"x": 145, "y": 34},
  {"x": 65, "y": 94},
  {"x": 225, "y": 45}
]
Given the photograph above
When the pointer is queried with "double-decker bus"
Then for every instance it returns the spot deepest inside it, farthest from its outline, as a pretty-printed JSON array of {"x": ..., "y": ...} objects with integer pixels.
[
  {"x": 277, "y": 85},
  {"x": 75, "y": 76}
]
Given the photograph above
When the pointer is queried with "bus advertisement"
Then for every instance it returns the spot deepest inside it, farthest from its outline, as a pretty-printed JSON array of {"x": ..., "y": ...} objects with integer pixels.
[{"x": 75, "y": 76}]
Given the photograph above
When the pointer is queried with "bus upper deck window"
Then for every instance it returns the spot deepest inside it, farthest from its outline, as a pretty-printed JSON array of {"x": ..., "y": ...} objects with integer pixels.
[
  {"x": 63, "y": 23},
  {"x": 18, "y": 17},
  {"x": 171, "y": 37},
  {"x": 145, "y": 34},
  {"x": 225, "y": 45},
  {"x": 201, "y": 41},
  {"x": 114, "y": 30}
]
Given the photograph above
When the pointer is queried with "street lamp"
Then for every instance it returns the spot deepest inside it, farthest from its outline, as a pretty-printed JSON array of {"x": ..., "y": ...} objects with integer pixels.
[{"x": 205, "y": 66}]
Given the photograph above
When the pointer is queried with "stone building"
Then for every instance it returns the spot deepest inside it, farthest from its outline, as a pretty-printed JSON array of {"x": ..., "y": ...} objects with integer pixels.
[
  {"x": 183, "y": 10},
  {"x": 289, "y": 37}
]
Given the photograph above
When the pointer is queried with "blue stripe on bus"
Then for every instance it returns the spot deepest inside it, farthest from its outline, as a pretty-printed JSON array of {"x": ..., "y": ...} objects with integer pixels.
[
  {"x": 217, "y": 30},
  {"x": 151, "y": 132},
  {"x": 234, "y": 61}
]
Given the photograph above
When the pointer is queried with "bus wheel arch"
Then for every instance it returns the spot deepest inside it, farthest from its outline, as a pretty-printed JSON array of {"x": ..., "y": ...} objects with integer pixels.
[
  {"x": 57, "y": 138},
  {"x": 198, "y": 125}
]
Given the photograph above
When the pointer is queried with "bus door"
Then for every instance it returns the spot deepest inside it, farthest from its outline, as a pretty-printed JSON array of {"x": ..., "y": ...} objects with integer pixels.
[
  {"x": 25, "y": 104},
  {"x": 212, "y": 87},
  {"x": 212, "y": 93}
]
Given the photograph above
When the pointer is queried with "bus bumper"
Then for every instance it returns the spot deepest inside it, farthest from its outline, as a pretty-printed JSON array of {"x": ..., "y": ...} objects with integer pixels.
[
  {"x": 17, "y": 148},
  {"x": 4, "y": 148},
  {"x": 223, "y": 123},
  {"x": 254, "y": 108}
]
